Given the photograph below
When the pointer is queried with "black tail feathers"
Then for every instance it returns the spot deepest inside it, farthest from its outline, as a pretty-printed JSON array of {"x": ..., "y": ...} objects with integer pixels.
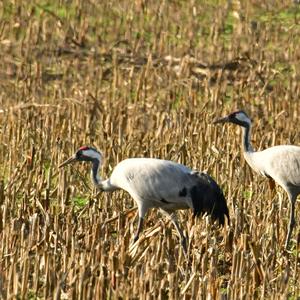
[{"x": 207, "y": 197}]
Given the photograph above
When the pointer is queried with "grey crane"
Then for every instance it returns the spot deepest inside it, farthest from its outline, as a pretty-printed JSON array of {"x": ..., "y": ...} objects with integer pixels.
[
  {"x": 280, "y": 163},
  {"x": 156, "y": 183}
]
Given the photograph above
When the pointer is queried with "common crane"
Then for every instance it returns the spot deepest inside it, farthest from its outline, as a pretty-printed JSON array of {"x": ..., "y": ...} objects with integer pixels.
[
  {"x": 280, "y": 163},
  {"x": 156, "y": 183}
]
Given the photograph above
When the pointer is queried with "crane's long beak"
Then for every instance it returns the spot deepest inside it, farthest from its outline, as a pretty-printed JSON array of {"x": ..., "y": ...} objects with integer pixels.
[
  {"x": 68, "y": 161},
  {"x": 221, "y": 120}
]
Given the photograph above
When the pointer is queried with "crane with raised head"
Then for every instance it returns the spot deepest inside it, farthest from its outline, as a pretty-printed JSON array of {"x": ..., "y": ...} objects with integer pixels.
[
  {"x": 156, "y": 183},
  {"x": 280, "y": 163}
]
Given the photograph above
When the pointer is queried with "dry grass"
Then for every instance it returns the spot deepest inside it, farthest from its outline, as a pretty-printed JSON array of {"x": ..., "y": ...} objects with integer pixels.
[{"x": 143, "y": 78}]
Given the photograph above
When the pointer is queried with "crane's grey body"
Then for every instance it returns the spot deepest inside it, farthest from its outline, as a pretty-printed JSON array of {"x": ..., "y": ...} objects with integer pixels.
[
  {"x": 164, "y": 190},
  {"x": 284, "y": 167},
  {"x": 280, "y": 163},
  {"x": 156, "y": 183}
]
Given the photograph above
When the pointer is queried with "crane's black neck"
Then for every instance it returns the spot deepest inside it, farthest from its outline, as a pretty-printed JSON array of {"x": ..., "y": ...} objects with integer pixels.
[
  {"x": 246, "y": 138},
  {"x": 95, "y": 172}
]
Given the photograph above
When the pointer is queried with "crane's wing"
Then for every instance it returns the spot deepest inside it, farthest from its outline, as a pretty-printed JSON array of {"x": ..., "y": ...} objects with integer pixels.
[
  {"x": 151, "y": 179},
  {"x": 171, "y": 186}
]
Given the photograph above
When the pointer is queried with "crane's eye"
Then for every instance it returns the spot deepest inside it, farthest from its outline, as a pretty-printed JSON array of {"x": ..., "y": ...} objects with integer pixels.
[{"x": 232, "y": 116}]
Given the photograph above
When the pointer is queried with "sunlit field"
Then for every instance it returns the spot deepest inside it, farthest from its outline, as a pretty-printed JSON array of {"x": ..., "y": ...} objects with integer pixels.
[{"x": 144, "y": 79}]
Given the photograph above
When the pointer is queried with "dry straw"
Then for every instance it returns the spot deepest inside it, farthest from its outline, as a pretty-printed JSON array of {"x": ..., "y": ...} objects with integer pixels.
[{"x": 143, "y": 78}]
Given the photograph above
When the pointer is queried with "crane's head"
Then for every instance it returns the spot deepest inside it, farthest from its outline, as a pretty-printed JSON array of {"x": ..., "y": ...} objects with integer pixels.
[
  {"x": 238, "y": 117},
  {"x": 84, "y": 154}
]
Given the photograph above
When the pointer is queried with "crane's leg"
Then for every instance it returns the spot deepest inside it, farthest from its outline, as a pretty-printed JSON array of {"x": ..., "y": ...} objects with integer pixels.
[
  {"x": 292, "y": 221},
  {"x": 143, "y": 208},
  {"x": 174, "y": 220},
  {"x": 139, "y": 229}
]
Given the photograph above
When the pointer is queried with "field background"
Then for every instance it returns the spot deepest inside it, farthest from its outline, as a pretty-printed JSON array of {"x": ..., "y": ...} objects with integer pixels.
[{"x": 143, "y": 79}]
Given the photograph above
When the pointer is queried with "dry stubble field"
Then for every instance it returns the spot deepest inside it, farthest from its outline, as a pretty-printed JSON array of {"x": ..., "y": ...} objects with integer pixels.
[{"x": 143, "y": 78}]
